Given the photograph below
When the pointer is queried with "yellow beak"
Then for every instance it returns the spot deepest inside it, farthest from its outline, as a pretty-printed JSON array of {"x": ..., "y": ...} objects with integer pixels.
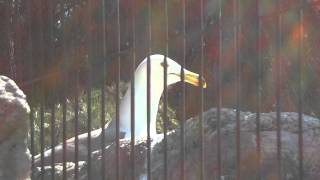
[{"x": 193, "y": 78}]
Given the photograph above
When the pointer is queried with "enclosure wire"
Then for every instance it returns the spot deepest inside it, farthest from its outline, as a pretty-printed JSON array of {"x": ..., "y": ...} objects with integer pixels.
[
  {"x": 300, "y": 100},
  {"x": 52, "y": 124},
  {"x": 278, "y": 88},
  {"x": 30, "y": 98},
  {"x": 149, "y": 177},
  {"x": 64, "y": 134},
  {"x": 201, "y": 92},
  {"x": 237, "y": 32},
  {"x": 218, "y": 89},
  {"x": 183, "y": 93},
  {"x": 103, "y": 95},
  {"x": 259, "y": 89},
  {"x": 53, "y": 116},
  {"x": 76, "y": 126},
  {"x": 133, "y": 11},
  {"x": 32, "y": 142},
  {"x": 165, "y": 95},
  {"x": 118, "y": 93},
  {"x": 89, "y": 87},
  {"x": 42, "y": 136}
]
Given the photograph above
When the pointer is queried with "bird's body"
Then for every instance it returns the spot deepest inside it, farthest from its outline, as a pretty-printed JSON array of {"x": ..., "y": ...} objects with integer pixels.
[{"x": 157, "y": 64}]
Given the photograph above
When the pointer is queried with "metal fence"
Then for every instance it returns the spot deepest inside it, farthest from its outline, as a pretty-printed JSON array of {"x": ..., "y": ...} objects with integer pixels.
[{"x": 220, "y": 19}]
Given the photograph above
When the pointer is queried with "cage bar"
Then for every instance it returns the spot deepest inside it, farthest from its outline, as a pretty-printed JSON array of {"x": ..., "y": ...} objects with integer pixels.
[
  {"x": 202, "y": 174},
  {"x": 118, "y": 94},
  {"x": 52, "y": 107},
  {"x": 42, "y": 137},
  {"x": 133, "y": 11},
  {"x": 165, "y": 95},
  {"x": 30, "y": 98},
  {"x": 218, "y": 91},
  {"x": 149, "y": 177},
  {"x": 237, "y": 31},
  {"x": 103, "y": 110},
  {"x": 300, "y": 98},
  {"x": 183, "y": 93},
  {"x": 89, "y": 87},
  {"x": 278, "y": 87},
  {"x": 165, "y": 118},
  {"x": 52, "y": 124},
  {"x": 76, "y": 128},
  {"x": 32, "y": 142},
  {"x": 259, "y": 87},
  {"x": 64, "y": 136}
]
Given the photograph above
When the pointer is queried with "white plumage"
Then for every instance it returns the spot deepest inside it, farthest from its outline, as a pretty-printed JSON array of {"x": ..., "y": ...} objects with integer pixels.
[{"x": 156, "y": 90}]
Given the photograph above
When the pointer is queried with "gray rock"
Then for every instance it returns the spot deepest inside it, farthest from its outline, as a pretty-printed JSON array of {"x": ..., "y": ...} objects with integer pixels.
[
  {"x": 249, "y": 166},
  {"x": 14, "y": 154}
]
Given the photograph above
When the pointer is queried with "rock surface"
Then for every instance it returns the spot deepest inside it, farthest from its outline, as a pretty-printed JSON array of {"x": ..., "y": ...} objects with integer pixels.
[
  {"x": 14, "y": 154},
  {"x": 249, "y": 166}
]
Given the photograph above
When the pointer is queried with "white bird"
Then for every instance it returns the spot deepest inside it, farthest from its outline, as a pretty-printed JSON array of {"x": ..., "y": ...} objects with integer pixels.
[
  {"x": 157, "y": 64},
  {"x": 156, "y": 89}
]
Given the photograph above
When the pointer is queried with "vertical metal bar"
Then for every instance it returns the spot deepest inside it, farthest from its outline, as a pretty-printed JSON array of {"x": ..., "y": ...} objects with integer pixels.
[
  {"x": 218, "y": 77},
  {"x": 64, "y": 121},
  {"x": 278, "y": 87},
  {"x": 201, "y": 91},
  {"x": 148, "y": 90},
  {"x": 76, "y": 126},
  {"x": 259, "y": 88},
  {"x": 53, "y": 116},
  {"x": 41, "y": 85},
  {"x": 42, "y": 137},
  {"x": 103, "y": 121},
  {"x": 64, "y": 132},
  {"x": 89, "y": 87},
  {"x": 148, "y": 119},
  {"x": 32, "y": 140},
  {"x": 31, "y": 73},
  {"x": 11, "y": 38},
  {"x": 237, "y": 27},
  {"x": 103, "y": 118},
  {"x": 132, "y": 101},
  {"x": 183, "y": 89},
  {"x": 89, "y": 113},
  {"x": 165, "y": 116},
  {"x": 53, "y": 127},
  {"x": 118, "y": 94},
  {"x": 165, "y": 95},
  {"x": 300, "y": 100},
  {"x": 64, "y": 102}
]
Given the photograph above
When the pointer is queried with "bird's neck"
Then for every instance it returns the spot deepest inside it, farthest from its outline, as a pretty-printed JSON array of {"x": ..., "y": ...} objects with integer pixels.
[{"x": 141, "y": 115}]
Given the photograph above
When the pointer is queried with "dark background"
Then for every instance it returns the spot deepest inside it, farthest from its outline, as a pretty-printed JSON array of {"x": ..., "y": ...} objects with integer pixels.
[{"x": 48, "y": 46}]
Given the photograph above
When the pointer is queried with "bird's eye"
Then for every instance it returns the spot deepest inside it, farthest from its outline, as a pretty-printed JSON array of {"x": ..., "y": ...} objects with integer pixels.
[{"x": 164, "y": 64}]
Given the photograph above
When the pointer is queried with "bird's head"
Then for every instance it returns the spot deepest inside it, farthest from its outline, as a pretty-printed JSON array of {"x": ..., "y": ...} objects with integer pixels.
[{"x": 159, "y": 64}]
